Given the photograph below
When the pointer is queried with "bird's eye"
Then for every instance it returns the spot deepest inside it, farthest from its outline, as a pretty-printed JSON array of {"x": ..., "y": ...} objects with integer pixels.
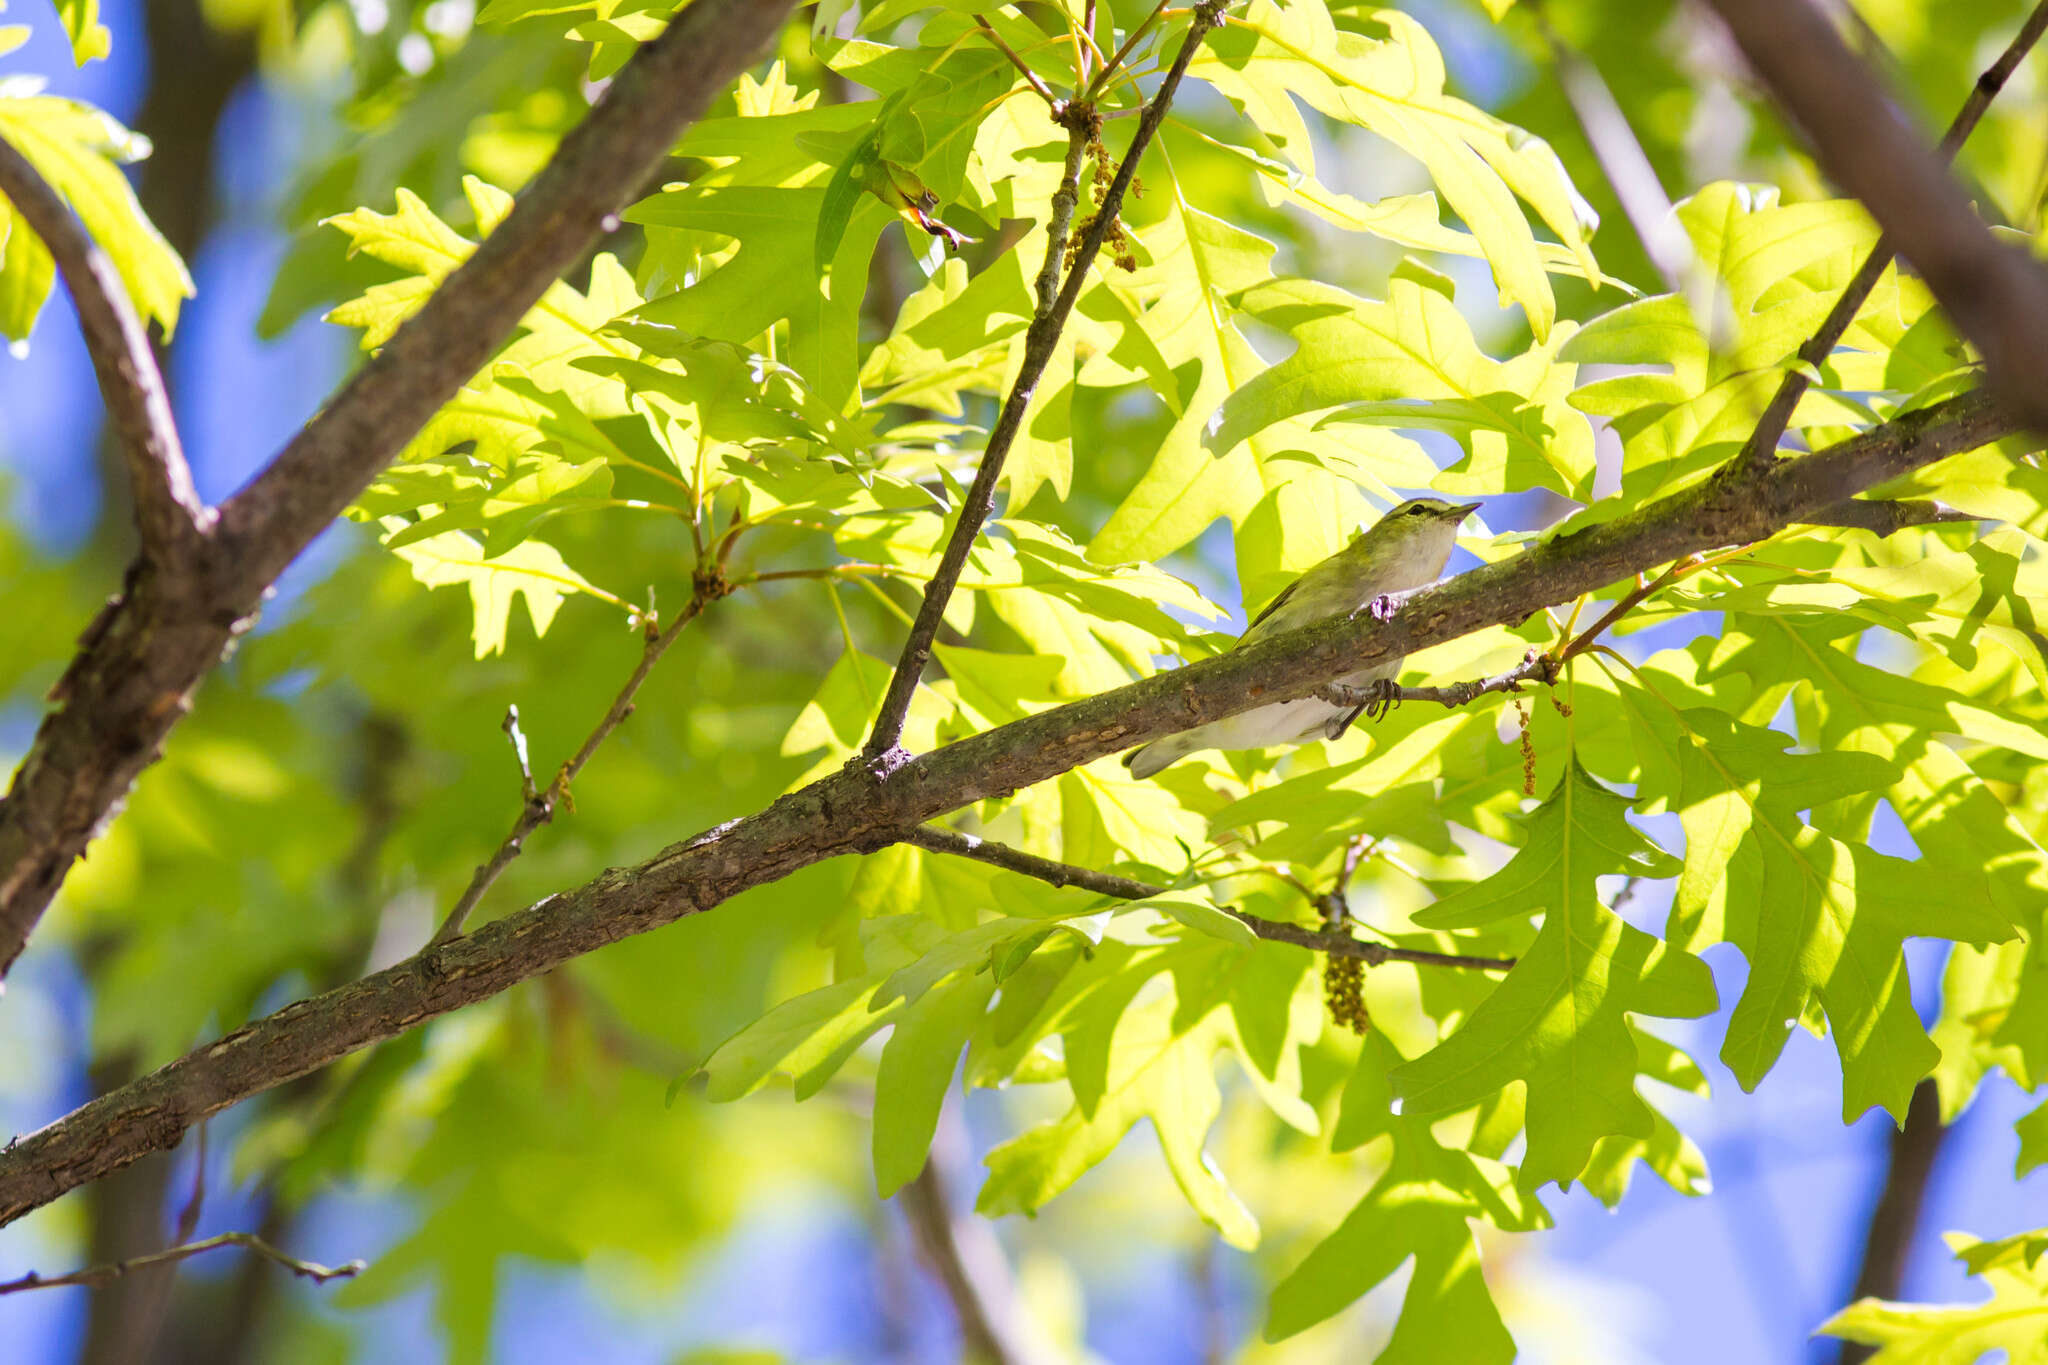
[{"x": 1416, "y": 509}]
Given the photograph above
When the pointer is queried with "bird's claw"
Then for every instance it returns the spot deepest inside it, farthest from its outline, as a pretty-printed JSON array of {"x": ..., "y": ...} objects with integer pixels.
[
  {"x": 1384, "y": 695},
  {"x": 1381, "y": 609}
]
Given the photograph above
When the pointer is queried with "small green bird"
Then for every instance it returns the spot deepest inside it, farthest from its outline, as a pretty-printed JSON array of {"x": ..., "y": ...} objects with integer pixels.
[{"x": 1406, "y": 548}]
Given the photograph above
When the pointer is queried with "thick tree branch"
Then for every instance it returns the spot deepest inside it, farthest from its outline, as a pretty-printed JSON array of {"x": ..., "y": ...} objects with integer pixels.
[
  {"x": 1996, "y": 295},
  {"x": 860, "y": 810},
  {"x": 169, "y": 513},
  {"x": 572, "y": 203},
  {"x": 1763, "y": 440},
  {"x": 1047, "y": 321},
  {"x": 140, "y": 659},
  {"x": 1334, "y": 942}
]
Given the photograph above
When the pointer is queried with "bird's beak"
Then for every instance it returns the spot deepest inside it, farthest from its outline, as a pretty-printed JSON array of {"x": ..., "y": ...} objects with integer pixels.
[{"x": 1465, "y": 509}]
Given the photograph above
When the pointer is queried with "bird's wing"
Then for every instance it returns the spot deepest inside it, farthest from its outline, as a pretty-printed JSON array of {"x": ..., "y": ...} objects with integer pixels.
[{"x": 1252, "y": 631}]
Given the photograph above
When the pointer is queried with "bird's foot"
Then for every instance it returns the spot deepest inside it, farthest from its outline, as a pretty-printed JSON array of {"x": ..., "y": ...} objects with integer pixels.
[
  {"x": 1381, "y": 609},
  {"x": 1384, "y": 694}
]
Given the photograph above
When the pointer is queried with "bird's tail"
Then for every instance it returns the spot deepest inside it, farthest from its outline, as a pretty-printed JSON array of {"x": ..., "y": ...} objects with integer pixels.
[{"x": 1156, "y": 757}]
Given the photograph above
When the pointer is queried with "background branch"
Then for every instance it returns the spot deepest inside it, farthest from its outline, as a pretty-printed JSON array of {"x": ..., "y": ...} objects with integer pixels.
[
  {"x": 1763, "y": 440},
  {"x": 1620, "y": 156},
  {"x": 962, "y": 1253},
  {"x": 1047, "y": 321},
  {"x": 114, "y": 1270},
  {"x": 169, "y": 514},
  {"x": 1996, "y": 294},
  {"x": 1909, "y": 1162},
  {"x": 856, "y": 811},
  {"x": 138, "y": 663}
]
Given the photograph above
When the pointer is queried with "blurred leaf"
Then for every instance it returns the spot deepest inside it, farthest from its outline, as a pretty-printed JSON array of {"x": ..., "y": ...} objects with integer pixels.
[{"x": 2013, "y": 1320}]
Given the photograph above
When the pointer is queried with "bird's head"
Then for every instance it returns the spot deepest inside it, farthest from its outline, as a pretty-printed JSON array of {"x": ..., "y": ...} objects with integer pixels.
[
  {"x": 1418, "y": 536},
  {"x": 1430, "y": 519}
]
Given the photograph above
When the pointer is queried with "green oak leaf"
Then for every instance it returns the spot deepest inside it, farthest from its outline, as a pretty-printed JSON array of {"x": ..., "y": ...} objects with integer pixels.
[
  {"x": 1821, "y": 920},
  {"x": 1419, "y": 1209},
  {"x": 1559, "y": 1020},
  {"x": 2013, "y": 1320},
  {"x": 80, "y": 150}
]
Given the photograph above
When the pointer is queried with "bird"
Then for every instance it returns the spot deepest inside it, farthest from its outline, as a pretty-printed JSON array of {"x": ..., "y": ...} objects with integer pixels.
[{"x": 1406, "y": 548}]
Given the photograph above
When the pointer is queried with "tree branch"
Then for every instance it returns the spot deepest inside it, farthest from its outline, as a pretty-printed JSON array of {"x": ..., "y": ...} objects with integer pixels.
[
  {"x": 1762, "y": 444},
  {"x": 1535, "y": 667},
  {"x": 1048, "y": 320},
  {"x": 1334, "y": 942},
  {"x": 860, "y": 810},
  {"x": 170, "y": 516},
  {"x": 595, "y": 172},
  {"x": 1031, "y": 78},
  {"x": 139, "y": 661},
  {"x": 1996, "y": 294},
  {"x": 114, "y": 1270}
]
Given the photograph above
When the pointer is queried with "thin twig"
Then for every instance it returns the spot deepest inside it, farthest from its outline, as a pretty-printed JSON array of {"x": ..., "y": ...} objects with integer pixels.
[
  {"x": 828, "y": 572},
  {"x": 1336, "y": 903},
  {"x": 1116, "y": 62},
  {"x": 114, "y": 1270},
  {"x": 1336, "y": 942},
  {"x": 540, "y": 806},
  {"x": 138, "y": 662},
  {"x": 1628, "y": 602},
  {"x": 1535, "y": 667},
  {"x": 980, "y": 500},
  {"x": 1031, "y": 77},
  {"x": 510, "y": 725},
  {"x": 169, "y": 513},
  {"x": 1762, "y": 445},
  {"x": 1621, "y": 158},
  {"x": 1048, "y": 319}
]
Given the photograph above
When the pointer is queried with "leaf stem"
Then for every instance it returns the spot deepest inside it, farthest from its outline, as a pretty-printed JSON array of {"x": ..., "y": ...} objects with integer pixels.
[{"x": 1130, "y": 41}]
